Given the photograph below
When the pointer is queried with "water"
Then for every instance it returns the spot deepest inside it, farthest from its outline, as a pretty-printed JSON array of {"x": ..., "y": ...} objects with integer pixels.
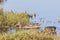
[
  {"x": 44, "y": 23},
  {"x": 57, "y": 25},
  {"x": 58, "y": 30},
  {"x": 48, "y": 22}
]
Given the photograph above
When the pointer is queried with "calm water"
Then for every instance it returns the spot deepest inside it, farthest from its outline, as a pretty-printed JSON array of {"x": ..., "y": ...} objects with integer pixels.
[{"x": 47, "y": 21}]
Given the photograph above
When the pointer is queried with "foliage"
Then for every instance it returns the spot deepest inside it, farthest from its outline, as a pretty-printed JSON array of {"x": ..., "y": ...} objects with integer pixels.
[
  {"x": 23, "y": 18},
  {"x": 1, "y": 1},
  {"x": 28, "y": 35},
  {"x": 8, "y": 20},
  {"x": 2, "y": 21}
]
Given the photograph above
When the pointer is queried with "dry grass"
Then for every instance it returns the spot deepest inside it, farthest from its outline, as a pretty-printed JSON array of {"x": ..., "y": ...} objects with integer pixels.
[{"x": 28, "y": 35}]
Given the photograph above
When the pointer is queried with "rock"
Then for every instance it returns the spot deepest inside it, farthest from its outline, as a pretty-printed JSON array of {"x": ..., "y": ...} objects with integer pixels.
[{"x": 50, "y": 30}]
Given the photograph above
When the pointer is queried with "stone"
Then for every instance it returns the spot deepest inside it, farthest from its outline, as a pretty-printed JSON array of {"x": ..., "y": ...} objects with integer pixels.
[{"x": 50, "y": 30}]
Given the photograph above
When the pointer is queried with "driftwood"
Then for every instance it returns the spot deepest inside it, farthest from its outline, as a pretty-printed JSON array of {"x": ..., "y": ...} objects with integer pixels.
[{"x": 29, "y": 26}]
